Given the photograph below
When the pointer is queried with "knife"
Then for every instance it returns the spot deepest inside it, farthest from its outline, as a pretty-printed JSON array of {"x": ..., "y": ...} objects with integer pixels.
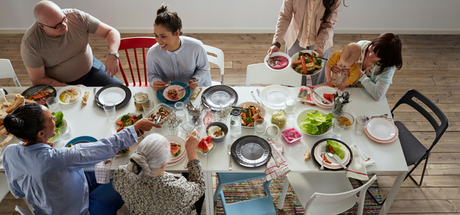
[
  {"x": 253, "y": 96},
  {"x": 322, "y": 99},
  {"x": 94, "y": 100},
  {"x": 258, "y": 94}
]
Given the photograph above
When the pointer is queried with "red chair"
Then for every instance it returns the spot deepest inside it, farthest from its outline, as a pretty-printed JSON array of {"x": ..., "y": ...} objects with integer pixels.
[{"x": 131, "y": 44}]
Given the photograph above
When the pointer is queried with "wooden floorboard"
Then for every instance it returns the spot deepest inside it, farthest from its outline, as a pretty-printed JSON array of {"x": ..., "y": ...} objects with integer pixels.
[{"x": 431, "y": 65}]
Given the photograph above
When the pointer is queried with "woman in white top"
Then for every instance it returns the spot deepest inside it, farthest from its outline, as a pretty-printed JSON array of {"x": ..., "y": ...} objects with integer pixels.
[
  {"x": 378, "y": 62},
  {"x": 175, "y": 57}
]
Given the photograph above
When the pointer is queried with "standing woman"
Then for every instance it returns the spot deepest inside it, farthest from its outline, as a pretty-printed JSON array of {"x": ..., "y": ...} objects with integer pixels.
[
  {"x": 176, "y": 57},
  {"x": 378, "y": 62},
  {"x": 307, "y": 25}
]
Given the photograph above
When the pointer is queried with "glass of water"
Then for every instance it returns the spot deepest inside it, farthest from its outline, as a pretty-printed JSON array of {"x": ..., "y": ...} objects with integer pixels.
[
  {"x": 180, "y": 112},
  {"x": 110, "y": 110},
  {"x": 337, "y": 127},
  {"x": 272, "y": 132},
  {"x": 53, "y": 104},
  {"x": 259, "y": 127}
]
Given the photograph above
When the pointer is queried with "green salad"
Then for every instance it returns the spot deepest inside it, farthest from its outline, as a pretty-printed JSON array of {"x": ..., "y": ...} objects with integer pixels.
[
  {"x": 336, "y": 149},
  {"x": 58, "y": 122},
  {"x": 316, "y": 123}
]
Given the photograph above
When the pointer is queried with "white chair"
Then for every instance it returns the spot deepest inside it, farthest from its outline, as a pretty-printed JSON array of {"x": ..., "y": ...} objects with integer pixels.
[
  {"x": 260, "y": 74},
  {"x": 219, "y": 61},
  {"x": 22, "y": 211},
  {"x": 3, "y": 186},
  {"x": 7, "y": 71},
  {"x": 327, "y": 193}
]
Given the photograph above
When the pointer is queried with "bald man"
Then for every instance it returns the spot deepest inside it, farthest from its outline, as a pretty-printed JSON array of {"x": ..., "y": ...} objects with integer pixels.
[{"x": 55, "y": 48}]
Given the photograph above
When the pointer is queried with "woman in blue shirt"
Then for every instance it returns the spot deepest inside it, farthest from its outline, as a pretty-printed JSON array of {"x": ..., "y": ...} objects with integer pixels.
[
  {"x": 175, "y": 57},
  {"x": 52, "y": 180}
]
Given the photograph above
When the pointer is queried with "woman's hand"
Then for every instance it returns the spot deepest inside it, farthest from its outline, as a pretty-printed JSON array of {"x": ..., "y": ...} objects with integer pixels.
[
  {"x": 337, "y": 70},
  {"x": 191, "y": 142},
  {"x": 272, "y": 49},
  {"x": 158, "y": 85},
  {"x": 320, "y": 53},
  {"x": 193, "y": 83},
  {"x": 145, "y": 124}
]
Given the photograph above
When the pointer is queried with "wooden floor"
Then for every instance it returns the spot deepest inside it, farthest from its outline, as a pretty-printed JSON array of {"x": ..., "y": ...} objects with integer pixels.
[{"x": 431, "y": 65}]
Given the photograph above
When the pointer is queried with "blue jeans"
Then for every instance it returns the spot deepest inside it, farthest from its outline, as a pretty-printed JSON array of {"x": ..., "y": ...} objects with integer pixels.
[
  {"x": 320, "y": 77},
  {"x": 103, "y": 199},
  {"x": 96, "y": 76}
]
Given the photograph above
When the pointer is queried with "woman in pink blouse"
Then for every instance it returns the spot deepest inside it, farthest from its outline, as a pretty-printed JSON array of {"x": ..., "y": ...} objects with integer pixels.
[{"x": 307, "y": 25}]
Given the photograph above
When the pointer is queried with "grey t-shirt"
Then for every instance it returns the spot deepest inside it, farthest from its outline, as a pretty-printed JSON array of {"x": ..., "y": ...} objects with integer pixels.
[{"x": 66, "y": 58}]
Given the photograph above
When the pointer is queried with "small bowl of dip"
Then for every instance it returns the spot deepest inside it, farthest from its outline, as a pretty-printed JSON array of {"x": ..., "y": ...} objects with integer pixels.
[
  {"x": 277, "y": 61},
  {"x": 217, "y": 131}
]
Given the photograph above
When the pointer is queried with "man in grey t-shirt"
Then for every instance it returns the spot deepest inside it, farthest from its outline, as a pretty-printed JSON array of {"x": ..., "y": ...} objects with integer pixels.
[{"x": 55, "y": 48}]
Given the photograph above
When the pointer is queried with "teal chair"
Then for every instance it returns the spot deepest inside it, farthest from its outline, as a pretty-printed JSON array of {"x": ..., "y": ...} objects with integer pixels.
[{"x": 261, "y": 206}]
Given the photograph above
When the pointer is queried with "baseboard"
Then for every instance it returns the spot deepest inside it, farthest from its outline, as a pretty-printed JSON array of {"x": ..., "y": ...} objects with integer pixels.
[{"x": 269, "y": 31}]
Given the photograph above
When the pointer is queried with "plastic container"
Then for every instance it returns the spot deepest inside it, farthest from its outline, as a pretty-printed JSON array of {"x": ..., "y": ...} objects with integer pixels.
[{"x": 291, "y": 135}]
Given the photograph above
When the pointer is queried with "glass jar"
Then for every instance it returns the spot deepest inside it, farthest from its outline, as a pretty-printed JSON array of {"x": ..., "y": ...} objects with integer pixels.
[
  {"x": 141, "y": 100},
  {"x": 279, "y": 118},
  {"x": 235, "y": 123}
]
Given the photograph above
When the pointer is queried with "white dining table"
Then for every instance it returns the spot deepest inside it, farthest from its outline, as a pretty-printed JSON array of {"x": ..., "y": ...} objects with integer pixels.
[{"x": 91, "y": 120}]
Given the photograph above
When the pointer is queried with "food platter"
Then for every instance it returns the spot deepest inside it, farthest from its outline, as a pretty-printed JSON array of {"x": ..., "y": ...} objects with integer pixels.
[
  {"x": 69, "y": 95},
  {"x": 213, "y": 96},
  {"x": 251, "y": 151},
  {"x": 319, "y": 147},
  {"x": 116, "y": 93},
  {"x": 182, "y": 154},
  {"x": 274, "y": 96},
  {"x": 33, "y": 90},
  {"x": 262, "y": 109},
  {"x": 162, "y": 99},
  {"x": 276, "y": 66},
  {"x": 295, "y": 58}
]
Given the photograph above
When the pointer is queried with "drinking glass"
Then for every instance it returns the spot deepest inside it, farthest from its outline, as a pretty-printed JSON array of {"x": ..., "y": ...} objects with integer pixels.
[
  {"x": 272, "y": 132},
  {"x": 290, "y": 106},
  {"x": 53, "y": 104},
  {"x": 180, "y": 112},
  {"x": 337, "y": 127},
  {"x": 360, "y": 125},
  {"x": 259, "y": 127},
  {"x": 64, "y": 132},
  {"x": 110, "y": 110}
]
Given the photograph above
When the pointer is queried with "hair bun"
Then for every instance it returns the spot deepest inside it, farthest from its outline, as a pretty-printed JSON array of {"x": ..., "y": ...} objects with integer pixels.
[{"x": 162, "y": 9}]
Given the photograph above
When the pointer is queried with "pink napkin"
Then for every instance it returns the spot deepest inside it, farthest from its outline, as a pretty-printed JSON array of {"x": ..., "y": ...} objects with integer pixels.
[
  {"x": 357, "y": 168},
  {"x": 305, "y": 96},
  {"x": 273, "y": 170},
  {"x": 103, "y": 172}
]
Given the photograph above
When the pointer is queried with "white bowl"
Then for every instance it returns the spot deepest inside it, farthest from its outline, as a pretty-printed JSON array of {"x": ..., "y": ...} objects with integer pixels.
[
  {"x": 303, "y": 115},
  {"x": 296, "y": 57},
  {"x": 266, "y": 59}
]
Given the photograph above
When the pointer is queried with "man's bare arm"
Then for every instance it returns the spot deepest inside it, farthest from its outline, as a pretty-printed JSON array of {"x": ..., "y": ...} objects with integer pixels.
[
  {"x": 37, "y": 76},
  {"x": 112, "y": 37}
]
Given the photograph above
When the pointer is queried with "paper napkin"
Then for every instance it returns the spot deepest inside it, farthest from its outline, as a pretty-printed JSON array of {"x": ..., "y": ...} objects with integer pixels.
[
  {"x": 278, "y": 167},
  {"x": 103, "y": 172},
  {"x": 357, "y": 168}
]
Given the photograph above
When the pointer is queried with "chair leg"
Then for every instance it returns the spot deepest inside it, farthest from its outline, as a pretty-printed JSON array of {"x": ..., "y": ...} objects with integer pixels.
[
  {"x": 372, "y": 196},
  {"x": 423, "y": 173},
  {"x": 217, "y": 193}
]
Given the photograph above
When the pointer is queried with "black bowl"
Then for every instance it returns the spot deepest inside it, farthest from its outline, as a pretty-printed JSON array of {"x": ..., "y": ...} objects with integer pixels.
[{"x": 222, "y": 126}]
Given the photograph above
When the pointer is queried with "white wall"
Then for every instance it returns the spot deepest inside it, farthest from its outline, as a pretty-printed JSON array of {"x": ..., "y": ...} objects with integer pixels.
[{"x": 249, "y": 16}]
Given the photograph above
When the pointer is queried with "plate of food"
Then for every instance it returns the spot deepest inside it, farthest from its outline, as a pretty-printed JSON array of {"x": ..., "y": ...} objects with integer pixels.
[
  {"x": 39, "y": 94},
  {"x": 12, "y": 102},
  {"x": 69, "y": 95},
  {"x": 178, "y": 152},
  {"x": 116, "y": 93},
  {"x": 160, "y": 113},
  {"x": 327, "y": 93},
  {"x": 314, "y": 122},
  {"x": 306, "y": 62},
  {"x": 250, "y": 112},
  {"x": 161, "y": 97},
  {"x": 174, "y": 92},
  {"x": 334, "y": 146},
  {"x": 277, "y": 61},
  {"x": 125, "y": 121}
]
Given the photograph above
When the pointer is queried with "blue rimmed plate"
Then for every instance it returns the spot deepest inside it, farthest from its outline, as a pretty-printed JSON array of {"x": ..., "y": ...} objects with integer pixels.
[
  {"x": 81, "y": 139},
  {"x": 162, "y": 99}
]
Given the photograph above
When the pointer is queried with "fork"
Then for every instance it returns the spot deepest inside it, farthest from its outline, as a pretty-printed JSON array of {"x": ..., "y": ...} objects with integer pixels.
[
  {"x": 229, "y": 157},
  {"x": 322, "y": 161},
  {"x": 338, "y": 160},
  {"x": 169, "y": 83}
]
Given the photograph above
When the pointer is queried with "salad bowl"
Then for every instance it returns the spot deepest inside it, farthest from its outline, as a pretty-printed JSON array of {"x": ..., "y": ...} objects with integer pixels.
[{"x": 314, "y": 122}]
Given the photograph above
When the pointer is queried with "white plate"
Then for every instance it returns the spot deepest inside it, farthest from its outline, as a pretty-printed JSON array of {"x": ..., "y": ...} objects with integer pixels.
[
  {"x": 321, "y": 90},
  {"x": 181, "y": 142},
  {"x": 381, "y": 129},
  {"x": 274, "y": 96},
  {"x": 180, "y": 92},
  {"x": 113, "y": 94},
  {"x": 266, "y": 59},
  {"x": 334, "y": 164},
  {"x": 262, "y": 110},
  {"x": 303, "y": 115},
  {"x": 68, "y": 88},
  {"x": 296, "y": 57}
]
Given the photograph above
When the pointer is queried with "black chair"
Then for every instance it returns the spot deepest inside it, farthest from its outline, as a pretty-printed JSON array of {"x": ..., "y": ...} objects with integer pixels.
[{"x": 414, "y": 151}]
